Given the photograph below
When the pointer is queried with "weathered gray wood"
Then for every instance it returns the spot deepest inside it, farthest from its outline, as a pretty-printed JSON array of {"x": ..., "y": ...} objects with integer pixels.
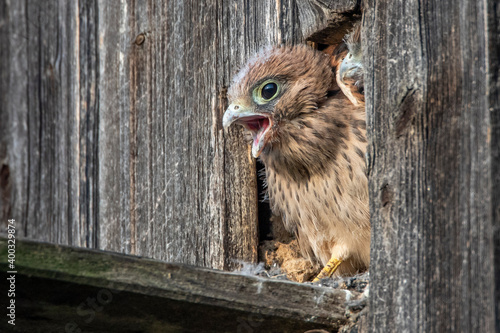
[
  {"x": 187, "y": 190},
  {"x": 54, "y": 285},
  {"x": 434, "y": 148},
  {"x": 13, "y": 115},
  {"x": 83, "y": 231},
  {"x": 493, "y": 92},
  {"x": 111, "y": 133},
  {"x": 328, "y": 21},
  {"x": 48, "y": 95}
]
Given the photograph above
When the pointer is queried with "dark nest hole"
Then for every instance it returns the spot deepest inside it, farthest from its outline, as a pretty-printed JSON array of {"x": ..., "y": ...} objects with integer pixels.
[{"x": 265, "y": 232}]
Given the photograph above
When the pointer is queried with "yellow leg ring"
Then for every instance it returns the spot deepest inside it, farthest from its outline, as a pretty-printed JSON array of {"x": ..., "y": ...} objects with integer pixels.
[{"x": 328, "y": 270}]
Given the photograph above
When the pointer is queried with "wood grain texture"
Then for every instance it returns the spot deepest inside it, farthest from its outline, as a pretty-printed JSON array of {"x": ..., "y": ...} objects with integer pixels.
[
  {"x": 13, "y": 114},
  {"x": 48, "y": 103},
  {"x": 187, "y": 190},
  {"x": 135, "y": 294},
  {"x": 493, "y": 92},
  {"x": 432, "y": 157},
  {"x": 111, "y": 131}
]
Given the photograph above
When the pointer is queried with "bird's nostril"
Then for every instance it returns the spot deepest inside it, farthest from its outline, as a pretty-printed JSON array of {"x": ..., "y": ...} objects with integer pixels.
[{"x": 236, "y": 107}]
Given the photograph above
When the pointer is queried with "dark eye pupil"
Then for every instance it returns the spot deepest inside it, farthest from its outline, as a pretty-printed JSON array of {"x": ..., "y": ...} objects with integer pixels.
[{"x": 269, "y": 90}]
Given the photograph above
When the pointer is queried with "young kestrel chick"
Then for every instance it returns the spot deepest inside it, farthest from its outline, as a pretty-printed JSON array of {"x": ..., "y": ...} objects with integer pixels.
[
  {"x": 312, "y": 143},
  {"x": 346, "y": 58}
]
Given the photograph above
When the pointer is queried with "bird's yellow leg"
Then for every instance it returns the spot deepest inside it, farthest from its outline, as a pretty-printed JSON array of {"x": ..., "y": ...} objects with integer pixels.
[{"x": 329, "y": 269}]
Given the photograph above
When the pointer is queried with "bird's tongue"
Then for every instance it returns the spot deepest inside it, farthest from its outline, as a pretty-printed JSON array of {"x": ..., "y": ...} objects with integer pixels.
[
  {"x": 258, "y": 141},
  {"x": 259, "y": 128}
]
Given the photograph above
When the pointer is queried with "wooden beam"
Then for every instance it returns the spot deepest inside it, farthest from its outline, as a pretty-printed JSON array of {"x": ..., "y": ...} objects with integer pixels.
[
  {"x": 57, "y": 286},
  {"x": 434, "y": 146}
]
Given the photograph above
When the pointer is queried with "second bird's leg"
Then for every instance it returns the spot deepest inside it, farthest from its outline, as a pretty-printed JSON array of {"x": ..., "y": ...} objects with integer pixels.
[{"x": 329, "y": 269}]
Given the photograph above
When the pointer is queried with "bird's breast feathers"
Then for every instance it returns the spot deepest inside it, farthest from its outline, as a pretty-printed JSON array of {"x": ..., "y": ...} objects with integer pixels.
[{"x": 328, "y": 206}]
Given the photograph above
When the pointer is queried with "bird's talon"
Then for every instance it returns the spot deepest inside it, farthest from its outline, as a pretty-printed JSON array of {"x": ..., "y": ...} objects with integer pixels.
[{"x": 328, "y": 270}]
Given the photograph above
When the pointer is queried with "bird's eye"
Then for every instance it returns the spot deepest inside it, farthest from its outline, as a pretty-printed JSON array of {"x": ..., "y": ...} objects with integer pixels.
[
  {"x": 269, "y": 90},
  {"x": 266, "y": 92}
]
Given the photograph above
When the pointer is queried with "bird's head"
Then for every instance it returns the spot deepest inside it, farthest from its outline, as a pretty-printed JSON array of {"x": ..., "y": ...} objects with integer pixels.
[{"x": 277, "y": 87}]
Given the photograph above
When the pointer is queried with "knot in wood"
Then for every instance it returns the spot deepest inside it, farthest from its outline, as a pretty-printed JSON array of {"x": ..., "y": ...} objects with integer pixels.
[
  {"x": 386, "y": 195},
  {"x": 139, "y": 40}
]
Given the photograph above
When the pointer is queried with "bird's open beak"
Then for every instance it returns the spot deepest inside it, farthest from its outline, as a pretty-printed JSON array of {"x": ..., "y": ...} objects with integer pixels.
[
  {"x": 257, "y": 124},
  {"x": 235, "y": 112}
]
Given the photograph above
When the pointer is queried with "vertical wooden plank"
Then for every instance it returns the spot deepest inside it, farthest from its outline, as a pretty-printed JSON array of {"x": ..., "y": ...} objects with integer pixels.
[
  {"x": 49, "y": 113},
  {"x": 47, "y": 124},
  {"x": 430, "y": 166},
  {"x": 493, "y": 92},
  {"x": 186, "y": 190},
  {"x": 114, "y": 127},
  {"x": 13, "y": 114},
  {"x": 84, "y": 231}
]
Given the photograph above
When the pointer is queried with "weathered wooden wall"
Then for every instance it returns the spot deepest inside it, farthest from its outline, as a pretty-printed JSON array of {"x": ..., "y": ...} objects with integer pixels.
[
  {"x": 42, "y": 117},
  {"x": 110, "y": 138},
  {"x": 111, "y": 124},
  {"x": 432, "y": 94}
]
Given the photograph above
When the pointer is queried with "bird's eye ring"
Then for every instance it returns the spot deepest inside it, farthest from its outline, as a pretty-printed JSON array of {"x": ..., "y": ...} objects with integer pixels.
[{"x": 266, "y": 92}]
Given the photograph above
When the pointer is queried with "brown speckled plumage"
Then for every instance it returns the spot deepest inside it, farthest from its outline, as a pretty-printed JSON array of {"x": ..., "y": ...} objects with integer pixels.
[{"x": 313, "y": 153}]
